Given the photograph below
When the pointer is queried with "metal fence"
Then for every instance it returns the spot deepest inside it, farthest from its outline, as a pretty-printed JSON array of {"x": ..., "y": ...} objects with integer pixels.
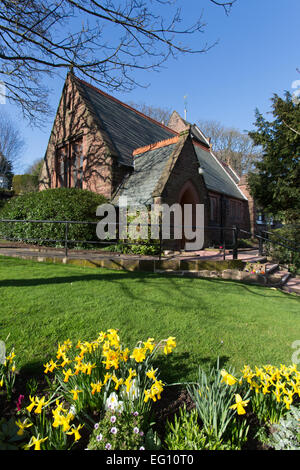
[
  {"x": 223, "y": 234},
  {"x": 229, "y": 237}
]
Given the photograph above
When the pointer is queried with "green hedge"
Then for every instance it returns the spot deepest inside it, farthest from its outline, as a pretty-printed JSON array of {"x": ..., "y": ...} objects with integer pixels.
[{"x": 51, "y": 204}]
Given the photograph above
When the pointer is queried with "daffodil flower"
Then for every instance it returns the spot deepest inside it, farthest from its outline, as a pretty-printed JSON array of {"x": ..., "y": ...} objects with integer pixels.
[
  {"x": 32, "y": 404},
  {"x": 40, "y": 404},
  {"x": 239, "y": 404},
  {"x": 36, "y": 442},
  {"x": 227, "y": 378},
  {"x": 22, "y": 426},
  {"x": 170, "y": 344},
  {"x": 75, "y": 432},
  {"x": 139, "y": 354},
  {"x": 75, "y": 393}
]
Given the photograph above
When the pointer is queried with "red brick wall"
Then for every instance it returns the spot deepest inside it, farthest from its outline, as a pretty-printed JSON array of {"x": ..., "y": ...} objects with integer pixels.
[
  {"x": 73, "y": 120},
  {"x": 243, "y": 185}
]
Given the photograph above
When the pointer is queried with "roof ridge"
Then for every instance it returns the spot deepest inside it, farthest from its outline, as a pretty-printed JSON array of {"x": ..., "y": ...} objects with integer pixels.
[
  {"x": 125, "y": 105},
  {"x": 156, "y": 145}
]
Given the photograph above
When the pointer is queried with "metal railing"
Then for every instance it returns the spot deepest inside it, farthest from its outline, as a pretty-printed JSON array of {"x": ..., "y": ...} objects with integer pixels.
[
  {"x": 213, "y": 231},
  {"x": 266, "y": 236},
  {"x": 66, "y": 241}
]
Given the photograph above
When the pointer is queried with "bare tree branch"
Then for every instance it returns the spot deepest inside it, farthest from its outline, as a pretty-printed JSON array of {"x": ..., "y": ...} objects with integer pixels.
[{"x": 105, "y": 41}]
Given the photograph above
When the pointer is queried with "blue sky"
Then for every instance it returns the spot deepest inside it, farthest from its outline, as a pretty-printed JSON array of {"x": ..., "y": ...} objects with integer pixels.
[{"x": 257, "y": 55}]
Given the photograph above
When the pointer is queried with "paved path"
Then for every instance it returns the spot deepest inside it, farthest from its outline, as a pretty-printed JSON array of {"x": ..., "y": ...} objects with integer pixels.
[
  {"x": 213, "y": 255},
  {"x": 23, "y": 251}
]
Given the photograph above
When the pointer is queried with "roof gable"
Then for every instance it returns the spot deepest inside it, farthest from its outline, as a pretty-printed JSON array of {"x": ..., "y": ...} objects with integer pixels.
[{"x": 148, "y": 169}]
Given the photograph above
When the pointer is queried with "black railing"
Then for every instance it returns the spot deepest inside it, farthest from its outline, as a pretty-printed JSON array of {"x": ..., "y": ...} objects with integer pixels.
[
  {"x": 265, "y": 236},
  {"x": 218, "y": 232},
  {"x": 225, "y": 243}
]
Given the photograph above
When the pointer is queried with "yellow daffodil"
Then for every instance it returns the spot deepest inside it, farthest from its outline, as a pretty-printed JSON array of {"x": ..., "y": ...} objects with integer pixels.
[
  {"x": 239, "y": 404},
  {"x": 40, "y": 404},
  {"x": 96, "y": 387},
  {"x": 151, "y": 373},
  {"x": 67, "y": 373},
  {"x": 125, "y": 354},
  {"x": 32, "y": 404},
  {"x": 36, "y": 442},
  {"x": 107, "y": 376},
  {"x": 155, "y": 391},
  {"x": 149, "y": 344},
  {"x": 139, "y": 354},
  {"x": 170, "y": 344},
  {"x": 75, "y": 432},
  {"x": 10, "y": 357},
  {"x": 75, "y": 393},
  {"x": 22, "y": 426},
  {"x": 117, "y": 382},
  {"x": 227, "y": 378}
]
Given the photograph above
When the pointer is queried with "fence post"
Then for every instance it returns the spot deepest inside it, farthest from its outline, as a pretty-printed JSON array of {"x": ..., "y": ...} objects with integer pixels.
[
  {"x": 160, "y": 238},
  {"x": 66, "y": 239},
  {"x": 235, "y": 242},
  {"x": 260, "y": 243}
]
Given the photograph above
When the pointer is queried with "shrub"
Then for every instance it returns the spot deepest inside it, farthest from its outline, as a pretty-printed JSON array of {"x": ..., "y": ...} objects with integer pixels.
[
  {"x": 52, "y": 204},
  {"x": 288, "y": 235},
  {"x": 118, "y": 431},
  {"x": 25, "y": 183},
  {"x": 286, "y": 435}
]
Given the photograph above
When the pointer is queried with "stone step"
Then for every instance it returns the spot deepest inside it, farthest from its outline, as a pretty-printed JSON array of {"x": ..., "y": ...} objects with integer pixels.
[
  {"x": 292, "y": 285},
  {"x": 271, "y": 268},
  {"x": 278, "y": 278}
]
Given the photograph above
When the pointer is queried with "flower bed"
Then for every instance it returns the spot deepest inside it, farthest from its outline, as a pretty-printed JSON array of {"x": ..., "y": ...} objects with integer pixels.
[{"x": 99, "y": 395}]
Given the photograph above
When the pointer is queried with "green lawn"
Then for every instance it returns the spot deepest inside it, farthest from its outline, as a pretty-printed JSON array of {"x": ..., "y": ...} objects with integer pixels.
[{"x": 43, "y": 304}]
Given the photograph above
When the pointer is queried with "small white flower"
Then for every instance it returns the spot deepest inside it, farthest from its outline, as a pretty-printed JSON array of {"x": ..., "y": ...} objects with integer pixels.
[
  {"x": 113, "y": 404},
  {"x": 136, "y": 430},
  {"x": 114, "y": 430},
  {"x": 99, "y": 437}
]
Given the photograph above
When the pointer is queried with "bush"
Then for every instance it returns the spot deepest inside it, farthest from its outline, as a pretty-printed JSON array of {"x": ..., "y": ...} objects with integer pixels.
[
  {"x": 288, "y": 235},
  {"x": 51, "y": 204},
  {"x": 25, "y": 183}
]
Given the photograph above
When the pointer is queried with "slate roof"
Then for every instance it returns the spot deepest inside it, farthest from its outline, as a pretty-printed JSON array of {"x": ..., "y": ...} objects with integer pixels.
[
  {"x": 215, "y": 176},
  {"x": 148, "y": 168},
  {"x": 126, "y": 127}
]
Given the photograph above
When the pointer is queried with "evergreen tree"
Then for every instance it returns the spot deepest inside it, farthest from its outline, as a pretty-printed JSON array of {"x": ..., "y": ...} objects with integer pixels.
[{"x": 275, "y": 182}]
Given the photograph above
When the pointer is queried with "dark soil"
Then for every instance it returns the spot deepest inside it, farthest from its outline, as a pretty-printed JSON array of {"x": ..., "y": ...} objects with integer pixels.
[{"x": 164, "y": 409}]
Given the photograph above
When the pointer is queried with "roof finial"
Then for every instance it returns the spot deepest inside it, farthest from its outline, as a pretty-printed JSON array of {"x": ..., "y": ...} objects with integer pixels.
[{"x": 185, "y": 106}]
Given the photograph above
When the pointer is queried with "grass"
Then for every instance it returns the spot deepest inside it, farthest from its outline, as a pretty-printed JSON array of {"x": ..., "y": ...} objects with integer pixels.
[{"x": 42, "y": 304}]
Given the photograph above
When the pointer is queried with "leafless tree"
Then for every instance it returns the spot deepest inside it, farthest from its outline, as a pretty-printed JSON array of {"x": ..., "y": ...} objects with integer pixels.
[
  {"x": 108, "y": 42},
  {"x": 11, "y": 146},
  {"x": 231, "y": 146},
  {"x": 158, "y": 113}
]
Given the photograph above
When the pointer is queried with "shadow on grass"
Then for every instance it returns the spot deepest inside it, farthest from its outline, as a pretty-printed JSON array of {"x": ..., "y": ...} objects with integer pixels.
[
  {"x": 32, "y": 369},
  {"x": 176, "y": 367},
  {"x": 116, "y": 276}
]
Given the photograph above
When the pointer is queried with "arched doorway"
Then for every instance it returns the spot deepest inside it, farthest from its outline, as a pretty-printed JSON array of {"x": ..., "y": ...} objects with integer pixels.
[{"x": 188, "y": 195}]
